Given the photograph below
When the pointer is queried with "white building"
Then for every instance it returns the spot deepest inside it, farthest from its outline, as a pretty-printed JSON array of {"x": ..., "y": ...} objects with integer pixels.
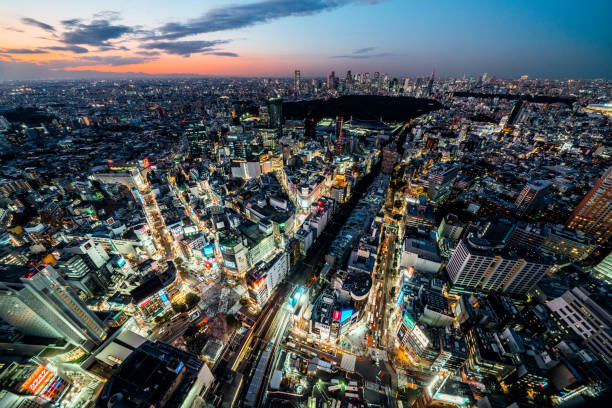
[
  {"x": 421, "y": 255},
  {"x": 587, "y": 319},
  {"x": 475, "y": 265}
]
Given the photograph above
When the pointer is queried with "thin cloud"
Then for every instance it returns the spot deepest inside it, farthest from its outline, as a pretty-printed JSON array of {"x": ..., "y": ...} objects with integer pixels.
[
  {"x": 246, "y": 15},
  {"x": 36, "y": 23},
  {"x": 107, "y": 15},
  {"x": 148, "y": 53},
  {"x": 364, "y": 56},
  {"x": 364, "y": 50},
  {"x": 71, "y": 22},
  {"x": 72, "y": 48},
  {"x": 10, "y": 28},
  {"x": 223, "y": 54},
  {"x": 184, "y": 48},
  {"x": 23, "y": 51}
]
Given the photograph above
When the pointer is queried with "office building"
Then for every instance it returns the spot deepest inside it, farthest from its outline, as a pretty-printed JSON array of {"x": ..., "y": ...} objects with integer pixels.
[
  {"x": 528, "y": 235},
  {"x": 296, "y": 82},
  {"x": 390, "y": 157},
  {"x": 591, "y": 322},
  {"x": 96, "y": 255},
  {"x": 440, "y": 181},
  {"x": 450, "y": 227},
  {"x": 476, "y": 265},
  {"x": 331, "y": 80},
  {"x": 567, "y": 244},
  {"x": 532, "y": 197},
  {"x": 594, "y": 213},
  {"x": 41, "y": 303},
  {"x": 605, "y": 267},
  {"x": 275, "y": 108},
  {"x": 265, "y": 277},
  {"x": 153, "y": 375}
]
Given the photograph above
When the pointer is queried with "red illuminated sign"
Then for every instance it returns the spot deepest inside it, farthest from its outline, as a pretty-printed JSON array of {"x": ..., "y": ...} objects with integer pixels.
[
  {"x": 38, "y": 379},
  {"x": 146, "y": 302},
  {"x": 146, "y": 162},
  {"x": 336, "y": 315}
]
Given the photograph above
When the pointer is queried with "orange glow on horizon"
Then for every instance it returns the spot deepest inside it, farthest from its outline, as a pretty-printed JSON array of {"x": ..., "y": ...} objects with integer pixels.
[{"x": 166, "y": 64}]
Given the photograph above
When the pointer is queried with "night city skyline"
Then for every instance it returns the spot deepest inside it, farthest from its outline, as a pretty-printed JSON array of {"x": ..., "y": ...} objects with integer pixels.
[
  {"x": 305, "y": 204},
  {"x": 273, "y": 37}
]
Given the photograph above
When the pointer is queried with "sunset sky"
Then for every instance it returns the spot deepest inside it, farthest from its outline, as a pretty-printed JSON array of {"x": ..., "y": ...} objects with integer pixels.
[{"x": 541, "y": 38}]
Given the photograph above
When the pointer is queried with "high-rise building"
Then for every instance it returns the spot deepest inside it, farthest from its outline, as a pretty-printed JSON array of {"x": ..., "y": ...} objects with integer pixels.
[
  {"x": 594, "y": 213},
  {"x": 441, "y": 180},
  {"x": 152, "y": 375},
  {"x": 430, "y": 83},
  {"x": 605, "y": 267},
  {"x": 265, "y": 277},
  {"x": 587, "y": 319},
  {"x": 532, "y": 197},
  {"x": 476, "y": 265},
  {"x": 331, "y": 79},
  {"x": 296, "y": 82},
  {"x": 42, "y": 303},
  {"x": 275, "y": 107},
  {"x": 390, "y": 157},
  {"x": 568, "y": 244},
  {"x": 96, "y": 255},
  {"x": 451, "y": 227},
  {"x": 525, "y": 234}
]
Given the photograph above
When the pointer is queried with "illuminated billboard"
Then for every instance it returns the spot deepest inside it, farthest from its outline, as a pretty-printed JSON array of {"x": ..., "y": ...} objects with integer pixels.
[
  {"x": 39, "y": 378},
  {"x": 293, "y": 300},
  {"x": 259, "y": 282},
  {"x": 336, "y": 315},
  {"x": 208, "y": 250},
  {"x": 408, "y": 320},
  {"x": 345, "y": 315}
]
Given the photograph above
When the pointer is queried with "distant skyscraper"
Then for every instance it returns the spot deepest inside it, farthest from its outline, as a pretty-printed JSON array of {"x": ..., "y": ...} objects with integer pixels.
[
  {"x": 42, "y": 303},
  {"x": 331, "y": 79},
  {"x": 594, "y": 213},
  {"x": 532, "y": 196},
  {"x": 296, "y": 80},
  {"x": 431, "y": 82}
]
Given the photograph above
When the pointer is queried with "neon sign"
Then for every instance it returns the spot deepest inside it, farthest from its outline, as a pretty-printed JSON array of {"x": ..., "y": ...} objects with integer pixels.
[
  {"x": 408, "y": 320},
  {"x": 345, "y": 315},
  {"x": 39, "y": 378},
  {"x": 259, "y": 282}
]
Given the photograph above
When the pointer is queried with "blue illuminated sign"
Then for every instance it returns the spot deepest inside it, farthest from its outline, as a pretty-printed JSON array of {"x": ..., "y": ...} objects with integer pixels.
[
  {"x": 345, "y": 315},
  {"x": 121, "y": 262},
  {"x": 400, "y": 298},
  {"x": 208, "y": 250},
  {"x": 164, "y": 298},
  {"x": 293, "y": 300}
]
